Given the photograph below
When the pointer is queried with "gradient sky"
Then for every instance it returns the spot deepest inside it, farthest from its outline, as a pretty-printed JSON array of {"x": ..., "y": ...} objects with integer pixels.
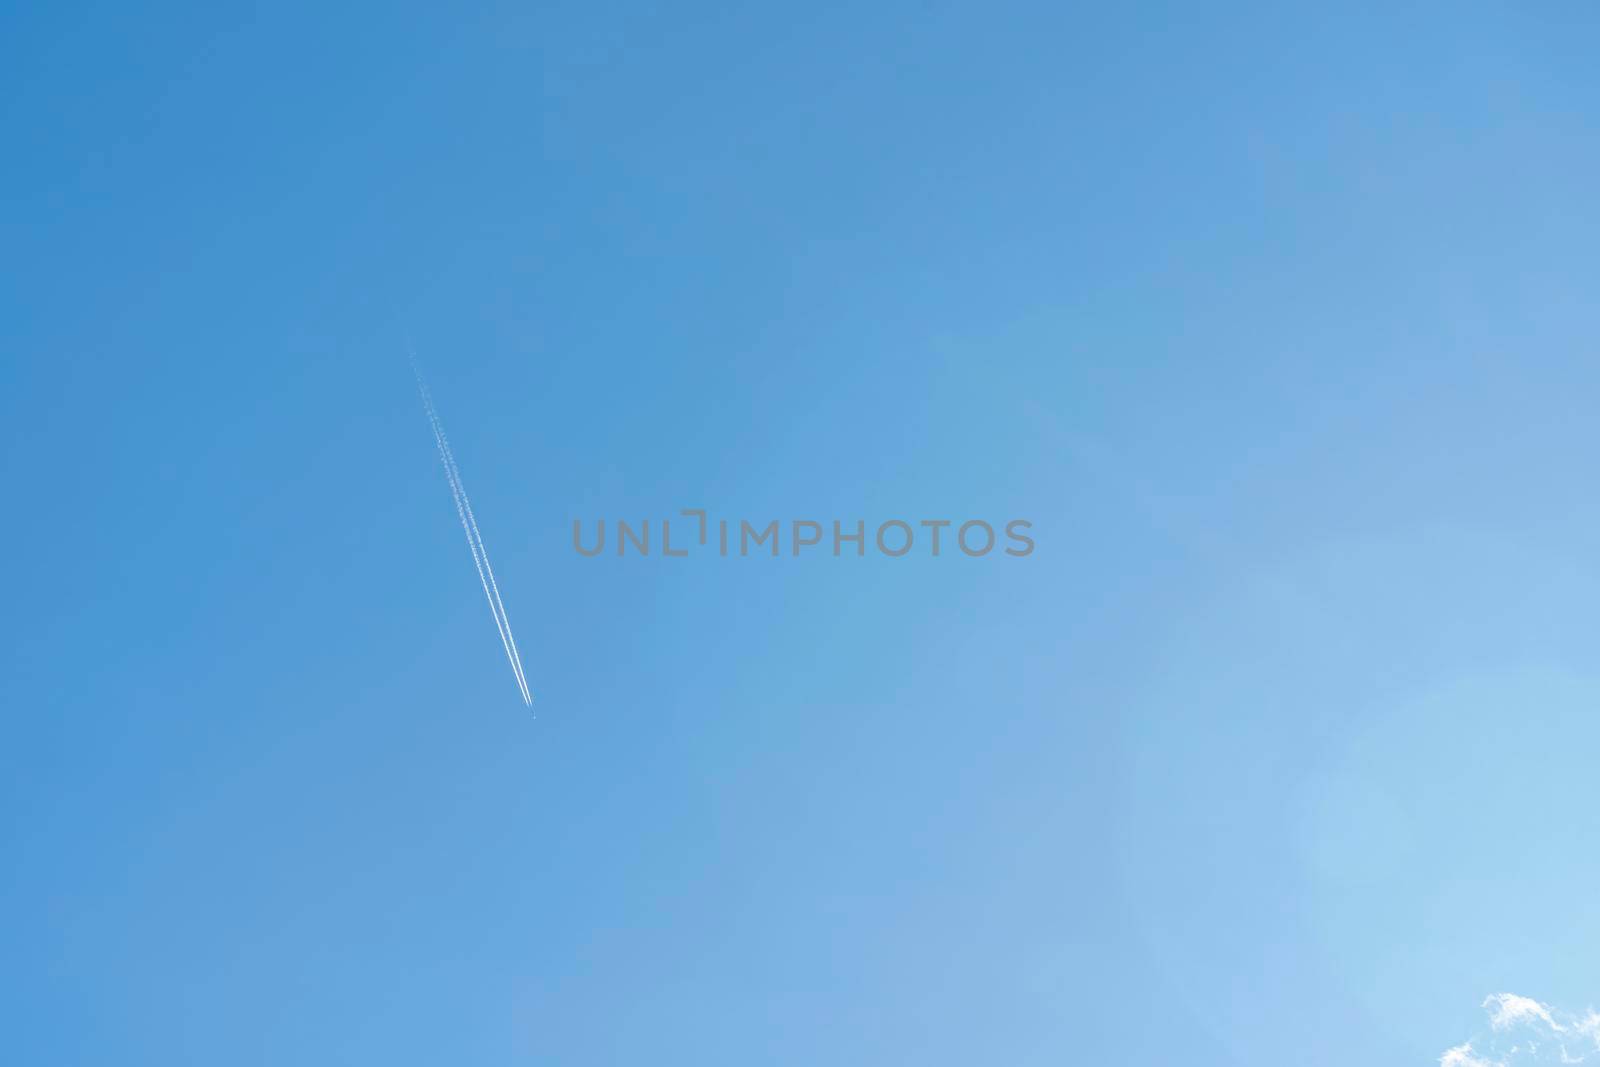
[{"x": 1278, "y": 323}]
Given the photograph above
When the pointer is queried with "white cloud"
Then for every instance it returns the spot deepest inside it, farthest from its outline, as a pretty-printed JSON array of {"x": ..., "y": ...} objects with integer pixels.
[
  {"x": 1523, "y": 1032},
  {"x": 1461, "y": 1056},
  {"x": 1507, "y": 1010}
]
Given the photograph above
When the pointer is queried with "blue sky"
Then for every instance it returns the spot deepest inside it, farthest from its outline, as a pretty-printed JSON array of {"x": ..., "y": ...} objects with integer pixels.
[{"x": 1278, "y": 324}]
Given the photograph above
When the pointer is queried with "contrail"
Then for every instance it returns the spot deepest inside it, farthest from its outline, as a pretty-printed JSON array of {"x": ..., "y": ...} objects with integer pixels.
[
  {"x": 499, "y": 605},
  {"x": 472, "y": 542},
  {"x": 480, "y": 553},
  {"x": 469, "y": 525}
]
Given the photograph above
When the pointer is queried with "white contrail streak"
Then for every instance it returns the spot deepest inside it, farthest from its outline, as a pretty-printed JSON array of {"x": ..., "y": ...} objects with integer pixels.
[
  {"x": 469, "y": 525},
  {"x": 494, "y": 588},
  {"x": 479, "y": 557},
  {"x": 472, "y": 543},
  {"x": 480, "y": 553}
]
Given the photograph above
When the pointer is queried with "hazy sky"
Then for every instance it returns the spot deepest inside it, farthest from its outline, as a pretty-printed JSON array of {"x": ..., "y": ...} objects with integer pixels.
[{"x": 1278, "y": 324}]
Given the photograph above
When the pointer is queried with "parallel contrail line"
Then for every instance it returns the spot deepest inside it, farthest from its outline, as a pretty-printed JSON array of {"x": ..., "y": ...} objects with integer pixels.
[
  {"x": 493, "y": 585},
  {"x": 480, "y": 560},
  {"x": 469, "y": 526},
  {"x": 496, "y": 605},
  {"x": 478, "y": 557},
  {"x": 473, "y": 545}
]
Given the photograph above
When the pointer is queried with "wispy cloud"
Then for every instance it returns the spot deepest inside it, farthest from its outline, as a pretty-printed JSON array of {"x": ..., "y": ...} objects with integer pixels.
[
  {"x": 1524, "y": 1032},
  {"x": 1507, "y": 1010},
  {"x": 1462, "y": 1056}
]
